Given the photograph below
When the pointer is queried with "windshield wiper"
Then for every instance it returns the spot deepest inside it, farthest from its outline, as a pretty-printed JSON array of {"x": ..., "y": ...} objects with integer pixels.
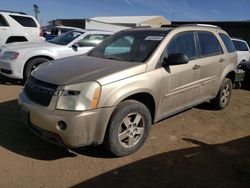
[{"x": 115, "y": 58}]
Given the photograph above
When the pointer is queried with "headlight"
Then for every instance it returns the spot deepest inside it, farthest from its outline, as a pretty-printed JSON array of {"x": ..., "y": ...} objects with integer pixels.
[
  {"x": 9, "y": 55},
  {"x": 79, "y": 97}
]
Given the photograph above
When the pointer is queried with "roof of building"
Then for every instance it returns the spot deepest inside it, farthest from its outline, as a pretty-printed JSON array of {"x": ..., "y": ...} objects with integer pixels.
[{"x": 158, "y": 20}]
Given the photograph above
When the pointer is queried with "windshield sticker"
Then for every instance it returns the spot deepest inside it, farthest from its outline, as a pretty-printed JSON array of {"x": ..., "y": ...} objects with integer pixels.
[{"x": 158, "y": 38}]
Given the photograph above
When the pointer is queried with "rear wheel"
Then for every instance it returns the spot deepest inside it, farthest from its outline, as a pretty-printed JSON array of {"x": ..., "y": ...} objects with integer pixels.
[
  {"x": 224, "y": 95},
  {"x": 128, "y": 128},
  {"x": 32, "y": 64}
]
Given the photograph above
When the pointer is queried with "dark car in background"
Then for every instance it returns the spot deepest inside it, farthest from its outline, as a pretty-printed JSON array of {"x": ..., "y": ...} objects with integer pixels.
[{"x": 51, "y": 32}]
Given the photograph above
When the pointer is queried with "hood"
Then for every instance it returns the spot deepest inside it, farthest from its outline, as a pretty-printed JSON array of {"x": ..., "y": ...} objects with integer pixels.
[
  {"x": 28, "y": 45},
  {"x": 85, "y": 68}
]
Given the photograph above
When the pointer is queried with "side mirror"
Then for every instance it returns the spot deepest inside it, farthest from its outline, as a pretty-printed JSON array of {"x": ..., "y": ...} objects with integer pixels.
[
  {"x": 175, "y": 59},
  {"x": 242, "y": 66},
  {"x": 75, "y": 46}
]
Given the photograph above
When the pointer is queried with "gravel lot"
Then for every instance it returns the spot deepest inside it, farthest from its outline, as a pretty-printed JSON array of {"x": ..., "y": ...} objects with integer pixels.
[{"x": 197, "y": 148}]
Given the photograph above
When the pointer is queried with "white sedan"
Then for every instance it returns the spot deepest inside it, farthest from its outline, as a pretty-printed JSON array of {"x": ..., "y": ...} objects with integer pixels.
[{"x": 18, "y": 60}]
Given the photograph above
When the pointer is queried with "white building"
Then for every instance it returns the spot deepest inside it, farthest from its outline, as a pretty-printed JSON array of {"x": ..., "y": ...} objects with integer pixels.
[{"x": 117, "y": 23}]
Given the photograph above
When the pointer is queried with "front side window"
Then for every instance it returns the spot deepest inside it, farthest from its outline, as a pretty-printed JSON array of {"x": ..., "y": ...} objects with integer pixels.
[
  {"x": 24, "y": 21},
  {"x": 183, "y": 43},
  {"x": 228, "y": 42},
  {"x": 3, "y": 22},
  {"x": 209, "y": 45},
  {"x": 133, "y": 45},
  {"x": 91, "y": 40},
  {"x": 66, "y": 38}
]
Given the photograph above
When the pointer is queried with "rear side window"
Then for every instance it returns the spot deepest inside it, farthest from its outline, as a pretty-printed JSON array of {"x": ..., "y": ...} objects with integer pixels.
[
  {"x": 183, "y": 43},
  {"x": 243, "y": 46},
  {"x": 24, "y": 21},
  {"x": 3, "y": 21},
  {"x": 228, "y": 43},
  {"x": 209, "y": 45}
]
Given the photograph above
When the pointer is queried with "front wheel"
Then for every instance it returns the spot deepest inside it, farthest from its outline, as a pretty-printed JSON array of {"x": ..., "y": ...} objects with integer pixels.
[
  {"x": 32, "y": 64},
  {"x": 128, "y": 128},
  {"x": 224, "y": 95}
]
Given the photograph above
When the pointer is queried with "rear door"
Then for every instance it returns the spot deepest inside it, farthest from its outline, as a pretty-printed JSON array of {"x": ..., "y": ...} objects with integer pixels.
[
  {"x": 181, "y": 82},
  {"x": 5, "y": 30},
  {"x": 211, "y": 59}
]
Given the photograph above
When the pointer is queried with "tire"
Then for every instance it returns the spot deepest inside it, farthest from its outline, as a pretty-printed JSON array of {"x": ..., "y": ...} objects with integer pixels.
[
  {"x": 32, "y": 64},
  {"x": 132, "y": 121},
  {"x": 224, "y": 95}
]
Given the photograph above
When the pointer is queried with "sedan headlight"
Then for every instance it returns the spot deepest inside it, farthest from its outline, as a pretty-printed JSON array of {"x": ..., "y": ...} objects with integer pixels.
[
  {"x": 79, "y": 97},
  {"x": 9, "y": 55}
]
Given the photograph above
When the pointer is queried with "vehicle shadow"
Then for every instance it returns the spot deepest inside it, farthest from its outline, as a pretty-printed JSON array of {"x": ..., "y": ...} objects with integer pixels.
[
  {"x": 223, "y": 165},
  {"x": 15, "y": 137},
  {"x": 206, "y": 106},
  {"x": 8, "y": 81}
]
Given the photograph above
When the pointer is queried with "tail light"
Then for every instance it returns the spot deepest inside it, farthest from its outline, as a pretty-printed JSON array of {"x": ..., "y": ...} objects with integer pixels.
[{"x": 41, "y": 32}]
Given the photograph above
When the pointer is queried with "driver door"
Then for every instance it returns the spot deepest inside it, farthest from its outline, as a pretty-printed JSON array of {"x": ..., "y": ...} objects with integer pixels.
[{"x": 181, "y": 86}]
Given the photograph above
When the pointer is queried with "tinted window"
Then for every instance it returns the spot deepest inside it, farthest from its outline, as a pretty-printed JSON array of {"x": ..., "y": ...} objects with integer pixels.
[
  {"x": 66, "y": 38},
  {"x": 183, "y": 43},
  {"x": 24, "y": 21},
  {"x": 3, "y": 21},
  {"x": 228, "y": 43},
  {"x": 236, "y": 45},
  {"x": 243, "y": 46},
  {"x": 209, "y": 45}
]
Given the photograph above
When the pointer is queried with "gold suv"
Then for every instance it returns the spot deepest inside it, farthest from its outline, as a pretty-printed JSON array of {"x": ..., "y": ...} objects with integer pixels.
[{"x": 133, "y": 79}]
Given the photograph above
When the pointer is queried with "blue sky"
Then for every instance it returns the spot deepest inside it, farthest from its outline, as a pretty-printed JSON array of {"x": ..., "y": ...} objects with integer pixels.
[{"x": 171, "y": 9}]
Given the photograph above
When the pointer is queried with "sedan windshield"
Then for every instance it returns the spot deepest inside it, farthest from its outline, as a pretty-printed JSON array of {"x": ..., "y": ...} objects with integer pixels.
[
  {"x": 66, "y": 38},
  {"x": 133, "y": 45}
]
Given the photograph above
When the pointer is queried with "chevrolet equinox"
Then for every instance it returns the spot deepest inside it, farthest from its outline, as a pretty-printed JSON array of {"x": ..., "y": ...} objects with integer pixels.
[{"x": 133, "y": 79}]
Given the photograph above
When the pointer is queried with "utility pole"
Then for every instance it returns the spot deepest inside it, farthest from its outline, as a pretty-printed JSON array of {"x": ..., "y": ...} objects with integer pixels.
[{"x": 36, "y": 10}]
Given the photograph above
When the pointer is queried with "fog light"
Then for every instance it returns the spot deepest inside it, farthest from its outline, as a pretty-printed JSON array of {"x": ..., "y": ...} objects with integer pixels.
[{"x": 61, "y": 125}]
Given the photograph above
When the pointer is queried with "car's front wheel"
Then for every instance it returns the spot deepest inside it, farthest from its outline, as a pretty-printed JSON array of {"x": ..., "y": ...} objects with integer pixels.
[
  {"x": 128, "y": 128},
  {"x": 32, "y": 64}
]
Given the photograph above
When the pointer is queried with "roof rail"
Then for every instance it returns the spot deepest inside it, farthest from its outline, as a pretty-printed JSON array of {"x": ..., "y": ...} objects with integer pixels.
[
  {"x": 17, "y": 12},
  {"x": 200, "y": 25}
]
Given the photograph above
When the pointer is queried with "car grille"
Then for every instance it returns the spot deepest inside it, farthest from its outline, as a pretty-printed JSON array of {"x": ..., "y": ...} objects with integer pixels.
[{"x": 39, "y": 92}]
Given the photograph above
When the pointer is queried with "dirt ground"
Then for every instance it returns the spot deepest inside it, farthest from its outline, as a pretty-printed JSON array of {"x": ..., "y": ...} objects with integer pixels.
[{"x": 197, "y": 148}]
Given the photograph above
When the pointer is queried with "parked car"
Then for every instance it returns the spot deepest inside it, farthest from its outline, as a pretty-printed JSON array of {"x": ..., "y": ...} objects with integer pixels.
[
  {"x": 133, "y": 79},
  {"x": 242, "y": 50},
  {"x": 51, "y": 32},
  {"x": 18, "y": 27},
  {"x": 18, "y": 60}
]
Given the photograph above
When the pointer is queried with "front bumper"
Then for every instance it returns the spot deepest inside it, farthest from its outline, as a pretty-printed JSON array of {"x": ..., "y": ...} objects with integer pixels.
[
  {"x": 11, "y": 69},
  {"x": 83, "y": 128}
]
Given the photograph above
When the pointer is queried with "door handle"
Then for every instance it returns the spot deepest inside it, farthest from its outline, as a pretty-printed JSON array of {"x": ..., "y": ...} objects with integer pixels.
[
  {"x": 195, "y": 67},
  {"x": 222, "y": 60}
]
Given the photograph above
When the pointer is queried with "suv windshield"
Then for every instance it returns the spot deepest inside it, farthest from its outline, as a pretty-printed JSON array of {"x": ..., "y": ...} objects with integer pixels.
[
  {"x": 66, "y": 38},
  {"x": 133, "y": 46}
]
